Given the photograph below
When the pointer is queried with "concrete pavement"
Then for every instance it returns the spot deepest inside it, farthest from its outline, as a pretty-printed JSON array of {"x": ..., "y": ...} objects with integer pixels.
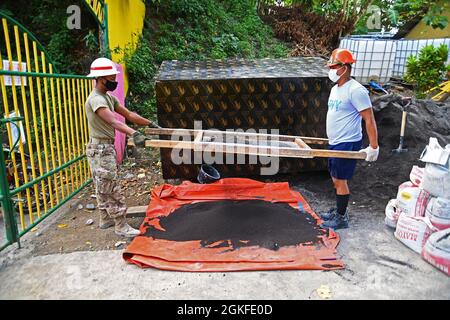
[{"x": 377, "y": 267}]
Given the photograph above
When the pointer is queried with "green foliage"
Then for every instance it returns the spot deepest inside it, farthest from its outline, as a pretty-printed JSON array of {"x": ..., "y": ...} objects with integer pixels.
[
  {"x": 431, "y": 10},
  {"x": 427, "y": 69},
  {"x": 435, "y": 19},
  {"x": 59, "y": 45},
  {"x": 141, "y": 68},
  {"x": 91, "y": 41},
  {"x": 71, "y": 50},
  {"x": 194, "y": 30}
]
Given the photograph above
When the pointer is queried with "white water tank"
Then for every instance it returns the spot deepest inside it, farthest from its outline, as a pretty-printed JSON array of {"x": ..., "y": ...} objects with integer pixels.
[
  {"x": 406, "y": 47},
  {"x": 374, "y": 58}
]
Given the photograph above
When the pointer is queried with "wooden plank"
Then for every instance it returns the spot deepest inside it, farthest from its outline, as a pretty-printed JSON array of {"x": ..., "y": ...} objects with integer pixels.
[
  {"x": 236, "y": 148},
  {"x": 193, "y": 132},
  {"x": 138, "y": 211},
  {"x": 301, "y": 143}
]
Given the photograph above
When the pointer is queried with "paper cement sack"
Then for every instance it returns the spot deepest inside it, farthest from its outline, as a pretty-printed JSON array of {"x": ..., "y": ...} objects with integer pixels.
[
  {"x": 412, "y": 200},
  {"x": 438, "y": 211},
  {"x": 437, "y": 250},
  {"x": 413, "y": 231},
  {"x": 391, "y": 213},
  {"x": 416, "y": 175},
  {"x": 437, "y": 180},
  {"x": 436, "y": 177}
]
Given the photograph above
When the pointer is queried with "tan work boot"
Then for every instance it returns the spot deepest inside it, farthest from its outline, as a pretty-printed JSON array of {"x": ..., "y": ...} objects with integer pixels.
[
  {"x": 105, "y": 220},
  {"x": 123, "y": 229}
]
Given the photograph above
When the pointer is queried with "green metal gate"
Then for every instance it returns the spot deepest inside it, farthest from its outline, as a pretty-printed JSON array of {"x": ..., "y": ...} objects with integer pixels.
[{"x": 43, "y": 130}]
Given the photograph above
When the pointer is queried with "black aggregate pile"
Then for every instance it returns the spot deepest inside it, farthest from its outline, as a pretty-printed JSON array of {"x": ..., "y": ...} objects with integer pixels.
[
  {"x": 378, "y": 181},
  {"x": 234, "y": 224}
]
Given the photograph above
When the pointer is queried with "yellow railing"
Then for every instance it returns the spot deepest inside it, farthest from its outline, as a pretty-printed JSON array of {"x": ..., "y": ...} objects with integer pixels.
[
  {"x": 441, "y": 92},
  {"x": 97, "y": 8},
  {"x": 48, "y": 165}
]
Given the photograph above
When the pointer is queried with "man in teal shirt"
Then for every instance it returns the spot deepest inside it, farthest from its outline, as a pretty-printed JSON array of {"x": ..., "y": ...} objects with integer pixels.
[{"x": 348, "y": 104}]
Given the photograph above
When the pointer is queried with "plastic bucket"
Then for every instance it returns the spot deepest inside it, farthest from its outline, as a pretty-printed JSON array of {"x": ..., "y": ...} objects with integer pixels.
[{"x": 207, "y": 174}]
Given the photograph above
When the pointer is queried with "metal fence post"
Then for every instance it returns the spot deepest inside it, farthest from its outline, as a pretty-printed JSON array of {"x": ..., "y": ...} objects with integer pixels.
[{"x": 12, "y": 232}]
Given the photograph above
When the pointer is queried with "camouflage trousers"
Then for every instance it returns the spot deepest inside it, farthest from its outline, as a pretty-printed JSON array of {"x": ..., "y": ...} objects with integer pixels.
[{"x": 103, "y": 164}]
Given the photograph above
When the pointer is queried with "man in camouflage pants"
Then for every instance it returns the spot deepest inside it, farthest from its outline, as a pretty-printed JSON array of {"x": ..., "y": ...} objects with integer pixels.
[{"x": 101, "y": 154}]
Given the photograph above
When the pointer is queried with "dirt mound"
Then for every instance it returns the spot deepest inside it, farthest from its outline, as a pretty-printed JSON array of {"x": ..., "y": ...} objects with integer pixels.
[
  {"x": 309, "y": 32},
  {"x": 425, "y": 119}
]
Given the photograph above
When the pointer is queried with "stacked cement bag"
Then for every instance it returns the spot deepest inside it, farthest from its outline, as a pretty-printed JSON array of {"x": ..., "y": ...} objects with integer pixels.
[
  {"x": 437, "y": 250},
  {"x": 436, "y": 180},
  {"x": 438, "y": 211},
  {"x": 411, "y": 200},
  {"x": 422, "y": 207}
]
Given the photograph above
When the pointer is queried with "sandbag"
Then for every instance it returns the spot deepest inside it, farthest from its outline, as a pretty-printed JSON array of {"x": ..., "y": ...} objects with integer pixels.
[
  {"x": 437, "y": 250},
  {"x": 438, "y": 211},
  {"x": 413, "y": 231},
  {"x": 412, "y": 200},
  {"x": 406, "y": 184},
  {"x": 437, "y": 180},
  {"x": 391, "y": 213},
  {"x": 436, "y": 177},
  {"x": 416, "y": 175}
]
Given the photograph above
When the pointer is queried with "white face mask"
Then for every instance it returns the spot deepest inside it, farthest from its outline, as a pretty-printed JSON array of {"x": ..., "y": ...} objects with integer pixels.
[{"x": 332, "y": 74}]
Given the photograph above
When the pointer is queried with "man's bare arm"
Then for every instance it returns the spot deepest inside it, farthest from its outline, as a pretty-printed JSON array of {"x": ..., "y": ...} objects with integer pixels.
[
  {"x": 371, "y": 126},
  {"x": 109, "y": 117}
]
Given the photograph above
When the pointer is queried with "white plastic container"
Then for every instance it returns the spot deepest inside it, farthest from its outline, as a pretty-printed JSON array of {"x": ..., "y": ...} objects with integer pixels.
[
  {"x": 385, "y": 58},
  {"x": 405, "y": 48},
  {"x": 374, "y": 58}
]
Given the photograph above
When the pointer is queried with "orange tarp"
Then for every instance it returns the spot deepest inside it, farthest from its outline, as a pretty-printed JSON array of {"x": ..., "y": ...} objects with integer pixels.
[{"x": 191, "y": 256}]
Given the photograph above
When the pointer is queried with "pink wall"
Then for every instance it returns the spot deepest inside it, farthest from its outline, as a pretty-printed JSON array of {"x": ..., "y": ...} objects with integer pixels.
[{"x": 120, "y": 139}]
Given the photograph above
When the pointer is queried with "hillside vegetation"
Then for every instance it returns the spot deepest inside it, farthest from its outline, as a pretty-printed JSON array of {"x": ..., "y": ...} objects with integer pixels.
[{"x": 195, "y": 30}]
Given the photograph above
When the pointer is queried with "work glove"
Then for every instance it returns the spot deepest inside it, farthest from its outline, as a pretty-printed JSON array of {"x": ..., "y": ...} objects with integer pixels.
[
  {"x": 139, "y": 139},
  {"x": 372, "y": 154}
]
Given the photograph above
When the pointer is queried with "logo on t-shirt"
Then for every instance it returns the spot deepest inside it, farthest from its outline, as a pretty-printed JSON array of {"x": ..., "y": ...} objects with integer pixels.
[{"x": 334, "y": 104}]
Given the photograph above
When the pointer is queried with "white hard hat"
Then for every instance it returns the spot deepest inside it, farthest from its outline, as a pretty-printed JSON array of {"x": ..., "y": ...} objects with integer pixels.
[{"x": 101, "y": 67}]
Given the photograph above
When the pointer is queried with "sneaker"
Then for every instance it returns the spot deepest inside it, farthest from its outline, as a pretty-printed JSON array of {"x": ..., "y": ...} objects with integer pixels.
[
  {"x": 126, "y": 230},
  {"x": 338, "y": 221},
  {"x": 123, "y": 229},
  {"x": 328, "y": 214}
]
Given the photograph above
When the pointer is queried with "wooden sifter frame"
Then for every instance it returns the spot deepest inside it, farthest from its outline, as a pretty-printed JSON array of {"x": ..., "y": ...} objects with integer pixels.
[{"x": 292, "y": 146}]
